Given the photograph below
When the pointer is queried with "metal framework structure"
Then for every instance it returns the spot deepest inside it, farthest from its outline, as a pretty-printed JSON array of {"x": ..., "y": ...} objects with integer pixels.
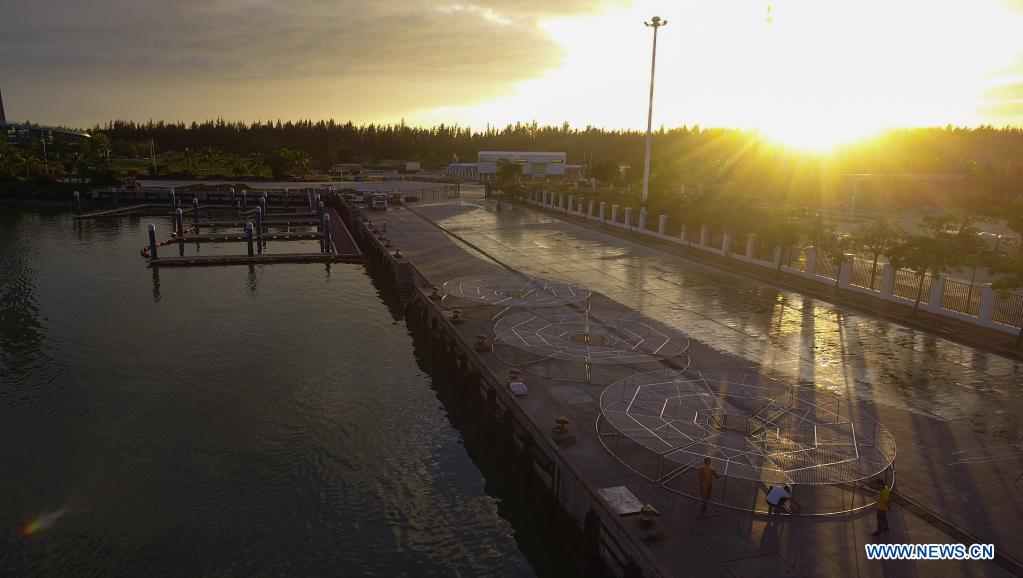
[
  {"x": 516, "y": 291},
  {"x": 584, "y": 339},
  {"x": 757, "y": 431}
]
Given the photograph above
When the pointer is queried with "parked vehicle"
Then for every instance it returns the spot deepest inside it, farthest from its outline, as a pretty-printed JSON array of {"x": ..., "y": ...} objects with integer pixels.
[{"x": 378, "y": 201}]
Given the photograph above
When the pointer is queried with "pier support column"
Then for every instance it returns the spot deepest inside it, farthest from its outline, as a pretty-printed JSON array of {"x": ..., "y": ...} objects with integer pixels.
[
  {"x": 662, "y": 224},
  {"x": 628, "y": 218},
  {"x": 78, "y": 203},
  {"x": 248, "y": 237},
  {"x": 152, "y": 242},
  {"x": 614, "y": 214}
]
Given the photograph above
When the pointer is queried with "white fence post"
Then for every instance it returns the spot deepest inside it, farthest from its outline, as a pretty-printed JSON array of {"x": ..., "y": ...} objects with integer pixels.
[
  {"x": 682, "y": 235},
  {"x": 662, "y": 224},
  {"x": 726, "y": 244},
  {"x": 987, "y": 303},
  {"x": 571, "y": 202},
  {"x": 811, "y": 262},
  {"x": 704, "y": 235},
  {"x": 614, "y": 214},
  {"x": 642, "y": 218},
  {"x": 751, "y": 246},
  {"x": 776, "y": 258},
  {"x": 937, "y": 290},
  {"x": 845, "y": 271},
  {"x": 628, "y": 218},
  {"x": 887, "y": 281},
  {"x": 602, "y": 219}
]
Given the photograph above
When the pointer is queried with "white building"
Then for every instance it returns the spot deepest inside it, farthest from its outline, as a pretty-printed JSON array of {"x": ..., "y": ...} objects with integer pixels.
[{"x": 533, "y": 164}]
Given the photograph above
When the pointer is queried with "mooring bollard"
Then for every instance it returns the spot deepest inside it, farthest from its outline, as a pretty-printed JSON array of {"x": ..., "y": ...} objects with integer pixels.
[
  {"x": 179, "y": 223},
  {"x": 78, "y": 203},
  {"x": 259, "y": 222},
  {"x": 326, "y": 233},
  {"x": 113, "y": 196},
  {"x": 173, "y": 199},
  {"x": 152, "y": 242},
  {"x": 248, "y": 236},
  {"x": 319, "y": 210},
  {"x": 195, "y": 210},
  {"x": 262, "y": 202}
]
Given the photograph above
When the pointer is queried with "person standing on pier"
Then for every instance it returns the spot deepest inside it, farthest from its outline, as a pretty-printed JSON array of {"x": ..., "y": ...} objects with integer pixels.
[
  {"x": 707, "y": 475},
  {"x": 884, "y": 497}
]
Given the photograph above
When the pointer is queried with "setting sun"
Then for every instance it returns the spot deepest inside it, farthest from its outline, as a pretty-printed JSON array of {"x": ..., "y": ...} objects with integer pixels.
[{"x": 807, "y": 74}]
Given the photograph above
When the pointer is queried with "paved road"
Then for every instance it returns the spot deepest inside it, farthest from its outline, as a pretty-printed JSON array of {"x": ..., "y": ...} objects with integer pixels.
[{"x": 955, "y": 410}]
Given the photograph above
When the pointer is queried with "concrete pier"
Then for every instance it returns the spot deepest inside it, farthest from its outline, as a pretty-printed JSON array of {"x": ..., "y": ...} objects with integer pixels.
[{"x": 736, "y": 324}]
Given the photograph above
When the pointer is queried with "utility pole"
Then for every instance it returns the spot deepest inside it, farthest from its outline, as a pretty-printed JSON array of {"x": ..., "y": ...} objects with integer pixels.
[{"x": 654, "y": 23}]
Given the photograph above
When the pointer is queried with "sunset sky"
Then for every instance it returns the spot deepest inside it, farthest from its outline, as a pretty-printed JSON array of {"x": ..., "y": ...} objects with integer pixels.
[{"x": 814, "y": 72}]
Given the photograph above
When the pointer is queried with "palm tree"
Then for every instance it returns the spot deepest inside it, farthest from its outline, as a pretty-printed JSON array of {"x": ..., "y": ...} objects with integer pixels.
[{"x": 878, "y": 238}]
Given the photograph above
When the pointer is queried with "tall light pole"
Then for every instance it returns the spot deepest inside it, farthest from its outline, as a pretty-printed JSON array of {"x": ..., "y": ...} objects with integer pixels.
[{"x": 654, "y": 23}]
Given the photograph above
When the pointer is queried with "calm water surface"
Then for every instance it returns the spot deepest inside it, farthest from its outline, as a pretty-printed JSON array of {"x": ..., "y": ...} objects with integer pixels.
[{"x": 219, "y": 421}]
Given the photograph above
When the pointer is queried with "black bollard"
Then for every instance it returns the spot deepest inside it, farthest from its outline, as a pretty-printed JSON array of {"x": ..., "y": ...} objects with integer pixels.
[
  {"x": 152, "y": 241},
  {"x": 78, "y": 203},
  {"x": 248, "y": 236}
]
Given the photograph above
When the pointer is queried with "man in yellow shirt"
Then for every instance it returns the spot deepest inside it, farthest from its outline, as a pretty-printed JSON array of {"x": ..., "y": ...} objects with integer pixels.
[{"x": 884, "y": 497}]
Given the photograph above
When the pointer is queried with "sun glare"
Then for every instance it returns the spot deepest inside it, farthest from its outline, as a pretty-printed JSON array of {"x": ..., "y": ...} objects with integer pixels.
[{"x": 810, "y": 75}]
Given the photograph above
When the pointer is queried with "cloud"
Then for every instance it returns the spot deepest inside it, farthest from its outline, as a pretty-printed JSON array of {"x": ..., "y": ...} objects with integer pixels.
[{"x": 425, "y": 52}]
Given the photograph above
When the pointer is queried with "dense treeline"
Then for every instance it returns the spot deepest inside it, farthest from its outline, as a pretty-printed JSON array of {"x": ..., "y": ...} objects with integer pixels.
[{"x": 688, "y": 156}]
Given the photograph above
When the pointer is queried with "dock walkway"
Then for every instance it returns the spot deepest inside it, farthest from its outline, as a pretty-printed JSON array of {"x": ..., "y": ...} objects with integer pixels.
[{"x": 955, "y": 478}]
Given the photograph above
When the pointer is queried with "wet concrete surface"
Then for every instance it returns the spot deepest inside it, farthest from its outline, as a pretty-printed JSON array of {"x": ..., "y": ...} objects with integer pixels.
[{"x": 954, "y": 410}]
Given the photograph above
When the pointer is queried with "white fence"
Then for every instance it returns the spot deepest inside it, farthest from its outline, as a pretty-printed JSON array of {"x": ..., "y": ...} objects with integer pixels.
[{"x": 976, "y": 304}]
